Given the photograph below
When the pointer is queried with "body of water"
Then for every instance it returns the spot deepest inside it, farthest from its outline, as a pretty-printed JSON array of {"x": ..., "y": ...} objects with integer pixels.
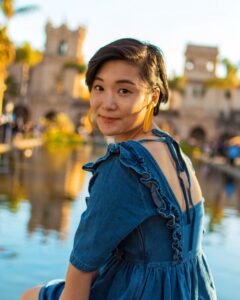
[{"x": 42, "y": 196}]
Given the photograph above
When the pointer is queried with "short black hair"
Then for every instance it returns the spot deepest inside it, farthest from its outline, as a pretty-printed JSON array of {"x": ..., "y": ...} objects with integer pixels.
[{"x": 148, "y": 57}]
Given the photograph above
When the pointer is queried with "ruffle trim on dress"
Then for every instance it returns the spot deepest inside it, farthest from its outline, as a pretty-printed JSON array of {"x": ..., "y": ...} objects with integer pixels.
[{"x": 129, "y": 157}]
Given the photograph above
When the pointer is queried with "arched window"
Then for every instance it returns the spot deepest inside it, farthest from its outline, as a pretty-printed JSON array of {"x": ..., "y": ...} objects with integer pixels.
[
  {"x": 189, "y": 65},
  {"x": 62, "y": 48}
]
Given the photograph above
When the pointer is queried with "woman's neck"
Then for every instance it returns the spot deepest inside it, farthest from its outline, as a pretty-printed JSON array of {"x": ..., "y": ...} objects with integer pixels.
[{"x": 135, "y": 134}]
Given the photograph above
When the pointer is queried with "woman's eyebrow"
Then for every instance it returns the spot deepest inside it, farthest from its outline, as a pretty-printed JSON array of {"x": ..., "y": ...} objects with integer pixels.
[
  {"x": 118, "y": 81},
  {"x": 125, "y": 81},
  {"x": 98, "y": 78}
]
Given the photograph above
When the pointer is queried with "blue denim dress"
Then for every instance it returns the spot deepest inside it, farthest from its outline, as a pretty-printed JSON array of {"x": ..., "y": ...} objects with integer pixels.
[{"x": 135, "y": 233}]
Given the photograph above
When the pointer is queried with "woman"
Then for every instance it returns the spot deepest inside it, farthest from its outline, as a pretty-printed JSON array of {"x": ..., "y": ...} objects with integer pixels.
[{"x": 141, "y": 234}]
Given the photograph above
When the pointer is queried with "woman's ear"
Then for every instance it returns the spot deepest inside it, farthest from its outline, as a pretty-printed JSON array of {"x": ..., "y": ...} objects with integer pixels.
[{"x": 155, "y": 95}]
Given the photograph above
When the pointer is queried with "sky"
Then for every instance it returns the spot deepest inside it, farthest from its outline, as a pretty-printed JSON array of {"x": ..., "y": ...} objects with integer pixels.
[{"x": 169, "y": 24}]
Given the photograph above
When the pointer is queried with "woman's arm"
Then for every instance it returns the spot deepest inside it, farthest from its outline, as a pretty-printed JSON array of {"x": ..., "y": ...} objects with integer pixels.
[{"x": 78, "y": 283}]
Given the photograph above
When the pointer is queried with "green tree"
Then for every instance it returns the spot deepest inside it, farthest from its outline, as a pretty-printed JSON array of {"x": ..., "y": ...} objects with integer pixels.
[
  {"x": 80, "y": 68},
  {"x": 230, "y": 81},
  {"x": 12, "y": 87},
  {"x": 177, "y": 83}
]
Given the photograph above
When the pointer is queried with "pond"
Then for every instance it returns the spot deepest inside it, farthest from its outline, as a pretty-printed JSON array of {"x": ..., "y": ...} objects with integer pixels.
[{"x": 42, "y": 196}]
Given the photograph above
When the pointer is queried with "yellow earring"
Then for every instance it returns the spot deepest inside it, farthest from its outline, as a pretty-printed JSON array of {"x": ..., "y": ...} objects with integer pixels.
[
  {"x": 89, "y": 125},
  {"x": 148, "y": 118}
]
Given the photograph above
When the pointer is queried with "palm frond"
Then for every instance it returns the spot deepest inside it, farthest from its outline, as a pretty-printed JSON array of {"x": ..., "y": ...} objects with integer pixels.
[{"x": 25, "y": 9}]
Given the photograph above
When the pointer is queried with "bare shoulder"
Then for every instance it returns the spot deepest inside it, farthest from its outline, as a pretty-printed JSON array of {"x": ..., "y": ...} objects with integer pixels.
[{"x": 165, "y": 161}]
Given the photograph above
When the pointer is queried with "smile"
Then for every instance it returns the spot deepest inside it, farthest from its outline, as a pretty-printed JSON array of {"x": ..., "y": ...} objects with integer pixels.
[{"x": 107, "y": 119}]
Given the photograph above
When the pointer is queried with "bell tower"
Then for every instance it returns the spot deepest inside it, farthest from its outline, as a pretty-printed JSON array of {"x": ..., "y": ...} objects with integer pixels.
[
  {"x": 200, "y": 63},
  {"x": 52, "y": 76},
  {"x": 56, "y": 81},
  {"x": 63, "y": 42}
]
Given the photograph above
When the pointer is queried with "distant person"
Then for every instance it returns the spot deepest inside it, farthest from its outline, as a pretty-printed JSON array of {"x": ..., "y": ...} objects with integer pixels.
[
  {"x": 229, "y": 186},
  {"x": 220, "y": 147},
  {"x": 141, "y": 234},
  {"x": 233, "y": 152}
]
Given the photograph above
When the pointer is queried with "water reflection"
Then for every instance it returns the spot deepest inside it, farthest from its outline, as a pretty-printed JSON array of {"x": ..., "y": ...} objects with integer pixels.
[
  {"x": 41, "y": 194},
  {"x": 220, "y": 190},
  {"x": 49, "y": 178}
]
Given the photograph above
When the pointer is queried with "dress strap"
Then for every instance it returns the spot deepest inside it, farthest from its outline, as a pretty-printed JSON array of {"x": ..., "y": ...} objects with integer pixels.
[
  {"x": 181, "y": 166},
  {"x": 180, "y": 163},
  {"x": 179, "y": 151},
  {"x": 147, "y": 140}
]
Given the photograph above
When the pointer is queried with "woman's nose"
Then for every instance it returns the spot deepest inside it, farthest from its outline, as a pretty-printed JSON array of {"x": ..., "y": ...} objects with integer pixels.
[{"x": 109, "y": 101}]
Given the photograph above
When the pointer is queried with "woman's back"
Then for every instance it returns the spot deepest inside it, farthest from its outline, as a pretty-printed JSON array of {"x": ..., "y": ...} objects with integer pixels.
[{"x": 160, "y": 152}]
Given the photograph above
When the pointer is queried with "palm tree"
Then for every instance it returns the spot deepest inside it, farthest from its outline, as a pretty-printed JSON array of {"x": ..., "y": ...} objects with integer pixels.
[
  {"x": 10, "y": 10},
  {"x": 6, "y": 57},
  {"x": 7, "y": 52}
]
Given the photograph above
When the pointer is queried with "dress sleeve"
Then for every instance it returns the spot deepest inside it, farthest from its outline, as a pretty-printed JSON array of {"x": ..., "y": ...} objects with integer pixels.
[{"x": 115, "y": 207}]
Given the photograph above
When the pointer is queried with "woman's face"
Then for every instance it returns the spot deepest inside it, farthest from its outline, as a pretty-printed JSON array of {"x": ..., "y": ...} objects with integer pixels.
[{"x": 119, "y": 99}]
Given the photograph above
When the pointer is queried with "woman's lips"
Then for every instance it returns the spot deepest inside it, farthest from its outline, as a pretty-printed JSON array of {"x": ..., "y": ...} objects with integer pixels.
[{"x": 108, "y": 120}]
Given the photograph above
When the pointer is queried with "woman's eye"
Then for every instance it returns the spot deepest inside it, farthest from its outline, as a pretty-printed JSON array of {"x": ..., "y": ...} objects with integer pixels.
[
  {"x": 98, "y": 88},
  {"x": 124, "y": 91}
]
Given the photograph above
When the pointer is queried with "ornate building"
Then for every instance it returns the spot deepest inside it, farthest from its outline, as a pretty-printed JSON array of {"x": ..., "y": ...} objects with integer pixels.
[
  {"x": 198, "y": 116},
  {"x": 200, "y": 112},
  {"x": 55, "y": 85},
  {"x": 197, "y": 111}
]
